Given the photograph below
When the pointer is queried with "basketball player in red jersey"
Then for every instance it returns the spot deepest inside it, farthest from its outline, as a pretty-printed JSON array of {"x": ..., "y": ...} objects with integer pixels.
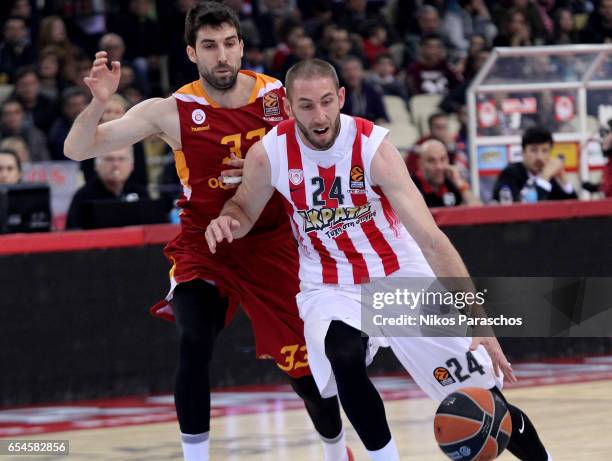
[
  {"x": 357, "y": 215},
  {"x": 210, "y": 124}
]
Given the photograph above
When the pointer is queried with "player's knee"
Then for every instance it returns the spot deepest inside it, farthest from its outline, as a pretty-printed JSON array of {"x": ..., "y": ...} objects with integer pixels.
[{"x": 306, "y": 388}]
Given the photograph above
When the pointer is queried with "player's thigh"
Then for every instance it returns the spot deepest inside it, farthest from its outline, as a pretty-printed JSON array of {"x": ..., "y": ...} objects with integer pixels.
[{"x": 442, "y": 365}]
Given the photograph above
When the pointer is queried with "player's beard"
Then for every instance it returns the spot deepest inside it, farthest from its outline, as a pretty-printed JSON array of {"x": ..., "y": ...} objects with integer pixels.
[
  {"x": 224, "y": 83},
  {"x": 335, "y": 129}
]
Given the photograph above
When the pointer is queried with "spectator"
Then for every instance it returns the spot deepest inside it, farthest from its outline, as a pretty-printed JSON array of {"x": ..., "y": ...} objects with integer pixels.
[
  {"x": 440, "y": 182},
  {"x": 439, "y": 129},
  {"x": 606, "y": 146},
  {"x": 114, "y": 45},
  {"x": 429, "y": 22},
  {"x": 374, "y": 40},
  {"x": 304, "y": 49},
  {"x": 291, "y": 31},
  {"x": 516, "y": 31},
  {"x": 74, "y": 101},
  {"x": 10, "y": 167},
  {"x": 14, "y": 123},
  {"x": 340, "y": 48},
  {"x": 49, "y": 68},
  {"x": 354, "y": 16},
  {"x": 539, "y": 176},
  {"x": 431, "y": 74},
  {"x": 15, "y": 51},
  {"x": 110, "y": 183},
  {"x": 143, "y": 38},
  {"x": 470, "y": 19},
  {"x": 362, "y": 99},
  {"x": 598, "y": 28},
  {"x": 39, "y": 109},
  {"x": 565, "y": 32},
  {"x": 53, "y": 36},
  {"x": 254, "y": 58},
  {"x": 180, "y": 68},
  {"x": 116, "y": 107},
  {"x": 82, "y": 68},
  {"x": 18, "y": 145},
  {"x": 456, "y": 98},
  {"x": 384, "y": 75}
]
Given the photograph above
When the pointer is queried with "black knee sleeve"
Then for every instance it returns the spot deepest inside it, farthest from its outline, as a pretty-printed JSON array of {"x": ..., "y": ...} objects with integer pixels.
[
  {"x": 524, "y": 443},
  {"x": 324, "y": 413},
  {"x": 345, "y": 347},
  {"x": 200, "y": 315}
]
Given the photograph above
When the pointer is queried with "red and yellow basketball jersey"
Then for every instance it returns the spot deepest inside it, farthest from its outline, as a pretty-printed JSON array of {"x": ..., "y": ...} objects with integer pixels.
[{"x": 209, "y": 134}]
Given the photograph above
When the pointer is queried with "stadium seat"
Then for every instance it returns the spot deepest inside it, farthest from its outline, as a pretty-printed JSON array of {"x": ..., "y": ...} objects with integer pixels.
[
  {"x": 421, "y": 107},
  {"x": 5, "y": 92}
]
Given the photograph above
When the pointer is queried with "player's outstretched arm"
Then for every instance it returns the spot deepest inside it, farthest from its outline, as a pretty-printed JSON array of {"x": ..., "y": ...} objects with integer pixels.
[
  {"x": 88, "y": 139},
  {"x": 389, "y": 171},
  {"x": 240, "y": 213}
]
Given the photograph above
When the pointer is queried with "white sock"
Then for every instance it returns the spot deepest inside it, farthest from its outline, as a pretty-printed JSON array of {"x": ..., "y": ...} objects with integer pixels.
[
  {"x": 335, "y": 449},
  {"x": 386, "y": 453},
  {"x": 195, "y": 446}
]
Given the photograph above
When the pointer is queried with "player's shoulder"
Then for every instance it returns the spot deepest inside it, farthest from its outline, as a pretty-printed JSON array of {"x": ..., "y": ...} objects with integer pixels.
[
  {"x": 192, "y": 92},
  {"x": 265, "y": 84}
]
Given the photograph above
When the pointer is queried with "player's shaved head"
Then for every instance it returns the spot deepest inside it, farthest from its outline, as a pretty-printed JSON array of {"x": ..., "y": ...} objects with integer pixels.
[{"x": 310, "y": 69}]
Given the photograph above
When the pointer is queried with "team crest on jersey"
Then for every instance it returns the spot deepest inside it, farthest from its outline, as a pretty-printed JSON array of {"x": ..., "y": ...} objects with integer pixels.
[
  {"x": 271, "y": 104},
  {"x": 357, "y": 180},
  {"x": 198, "y": 116},
  {"x": 443, "y": 376},
  {"x": 296, "y": 176}
]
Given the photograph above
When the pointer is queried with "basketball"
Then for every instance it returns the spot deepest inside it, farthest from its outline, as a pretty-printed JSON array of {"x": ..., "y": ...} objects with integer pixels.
[{"x": 472, "y": 424}]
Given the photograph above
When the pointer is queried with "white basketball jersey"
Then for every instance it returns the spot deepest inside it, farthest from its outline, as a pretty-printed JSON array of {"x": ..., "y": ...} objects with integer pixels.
[{"x": 346, "y": 229}]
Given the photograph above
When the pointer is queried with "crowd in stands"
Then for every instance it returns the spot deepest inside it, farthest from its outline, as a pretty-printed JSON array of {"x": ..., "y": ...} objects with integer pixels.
[{"x": 397, "y": 47}]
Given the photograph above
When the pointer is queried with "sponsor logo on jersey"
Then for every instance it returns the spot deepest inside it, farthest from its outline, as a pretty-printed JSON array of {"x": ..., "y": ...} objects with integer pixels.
[
  {"x": 357, "y": 180},
  {"x": 271, "y": 104},
  {"x": 443, "y": 376},
  {"x": 338, "y": 219},
  {"x": 195, "y": 129},
  {"x": 296, "y": 176},
  {"x": 198, "y": 116}
]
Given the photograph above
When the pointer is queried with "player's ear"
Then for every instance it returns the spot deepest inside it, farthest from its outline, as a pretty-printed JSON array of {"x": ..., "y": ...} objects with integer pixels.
[
  {"x": 241, "y": 48},
  {"x": 287, "y": 106},
  {"x": 341, "y": 96},
  {"x": 191, "y": 54}
]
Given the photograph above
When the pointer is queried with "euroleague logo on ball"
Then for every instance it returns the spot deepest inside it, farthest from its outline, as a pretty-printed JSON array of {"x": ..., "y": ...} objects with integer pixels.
[{"x": 198, "y": 116}]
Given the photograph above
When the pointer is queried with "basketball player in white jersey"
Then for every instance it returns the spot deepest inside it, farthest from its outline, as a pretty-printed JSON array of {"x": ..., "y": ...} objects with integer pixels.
[{"x": 356, "y": 214}]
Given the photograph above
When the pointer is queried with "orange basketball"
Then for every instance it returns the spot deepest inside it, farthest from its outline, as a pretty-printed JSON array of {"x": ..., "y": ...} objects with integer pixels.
[{"x": 472, "y": 424}]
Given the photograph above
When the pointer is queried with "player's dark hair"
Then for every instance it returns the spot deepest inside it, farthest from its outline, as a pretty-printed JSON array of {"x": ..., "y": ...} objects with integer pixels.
[
  {"x": 211, "y": 14},
  {"x": 310, "y": 69},
  {"x": 536, "y": 135},
  {"x": 12, "y": 153}
]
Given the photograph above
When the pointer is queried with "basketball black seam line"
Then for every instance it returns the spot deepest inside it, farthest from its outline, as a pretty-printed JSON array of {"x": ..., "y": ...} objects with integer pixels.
[
  {"x": 487, "y": 438},
  {"x": 465, "y": 438}
]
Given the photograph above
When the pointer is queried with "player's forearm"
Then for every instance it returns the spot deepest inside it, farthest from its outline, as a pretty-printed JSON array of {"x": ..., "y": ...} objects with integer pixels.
[
  {"x": 233, "y": 210},
  {"x": 81, "y": 139},
  {"x": 443, "y": 257}
]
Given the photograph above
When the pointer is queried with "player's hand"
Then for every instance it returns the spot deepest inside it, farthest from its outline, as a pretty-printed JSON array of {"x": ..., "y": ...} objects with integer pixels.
[
  {"x": 236, "y": 172},
  {"x": 500, "y": 362},
  {"x": 102, "y": 81},
  {"x": 220, "y": 229}
]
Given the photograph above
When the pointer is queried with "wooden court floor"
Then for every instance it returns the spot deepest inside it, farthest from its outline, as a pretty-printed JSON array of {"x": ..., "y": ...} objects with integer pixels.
[{"x": 573, "y": 420}]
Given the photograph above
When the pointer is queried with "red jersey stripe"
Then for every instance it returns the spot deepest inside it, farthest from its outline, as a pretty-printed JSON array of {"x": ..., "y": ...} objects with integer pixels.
[
  {"x": 344, "y": 242},
  {"x": 298, "y": 196},
  {"x": 372, "y": 232}
]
